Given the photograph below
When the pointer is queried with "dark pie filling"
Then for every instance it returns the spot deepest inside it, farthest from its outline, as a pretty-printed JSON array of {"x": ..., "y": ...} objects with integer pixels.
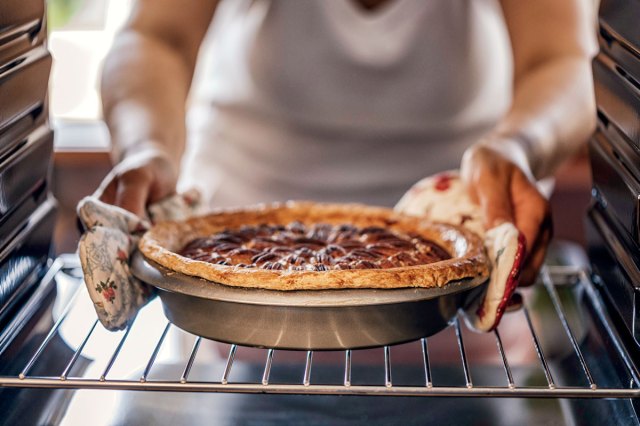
[{"x": 319, "y": 247}]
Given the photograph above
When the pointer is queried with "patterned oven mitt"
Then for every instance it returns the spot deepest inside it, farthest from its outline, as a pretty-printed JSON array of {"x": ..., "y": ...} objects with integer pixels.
[
  {"x": 110, "y": 238},
  {"x": 443, "y": 198}
]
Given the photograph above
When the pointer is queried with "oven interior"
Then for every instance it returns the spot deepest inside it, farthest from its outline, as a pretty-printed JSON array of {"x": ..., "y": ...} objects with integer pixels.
[{"x": 569, "y": 355}]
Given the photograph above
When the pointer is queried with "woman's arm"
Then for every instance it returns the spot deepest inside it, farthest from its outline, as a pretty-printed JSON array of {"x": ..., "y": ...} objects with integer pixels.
[
  {"x": 553, "y": 110},
  {"x": 552, "y": 114},
  {"x": 145, "y": 83}
]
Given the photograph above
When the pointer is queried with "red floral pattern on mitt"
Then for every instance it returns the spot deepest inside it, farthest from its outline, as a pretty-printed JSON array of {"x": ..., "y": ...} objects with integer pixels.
[
  {"x": 443, "y": 198},
  {"x": 106, "y": 247}
]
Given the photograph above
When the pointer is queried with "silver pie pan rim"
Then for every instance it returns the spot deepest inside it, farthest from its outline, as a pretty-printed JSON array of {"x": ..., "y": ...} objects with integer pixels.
[{"x": 158, "y": 276}]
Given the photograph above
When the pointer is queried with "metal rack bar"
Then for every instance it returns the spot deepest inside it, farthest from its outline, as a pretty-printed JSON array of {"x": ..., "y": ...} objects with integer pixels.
[
  {"x": 267, "y": 367},
  {"x": 347, "y": 367},
  {"x": 155, "y": 352},
  {"x": 78, "y": 351},
  {"x": 387, "y": 367},
  {"x": 436, "y": 391},
  {"x": 548, "y": 284},
  {"x": 306, "y": 380},
  {"x": 536, "y": 343},
  {"x": 229, "y": 364},
  {"x": 192, "y": 358},
  {"x": 425, "y": 360},
  {"x": 505, "y": 363},
  {"x": 463, "y": 354},
  {"x": 115, "y": 354},
  {"x": 47, "y": 339},
  {"x": 563, "y": 274}
]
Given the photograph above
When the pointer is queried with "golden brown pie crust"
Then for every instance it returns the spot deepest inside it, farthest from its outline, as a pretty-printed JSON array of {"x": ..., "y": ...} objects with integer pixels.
[{"x": 469, "y": 260}]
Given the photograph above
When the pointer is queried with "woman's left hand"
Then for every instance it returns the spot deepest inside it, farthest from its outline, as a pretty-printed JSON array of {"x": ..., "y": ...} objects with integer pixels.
[{"x": 505, "y": 194}]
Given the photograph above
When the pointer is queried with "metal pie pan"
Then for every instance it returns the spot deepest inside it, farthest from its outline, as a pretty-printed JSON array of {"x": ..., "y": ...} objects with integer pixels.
[{"x": 304, "y": 320}]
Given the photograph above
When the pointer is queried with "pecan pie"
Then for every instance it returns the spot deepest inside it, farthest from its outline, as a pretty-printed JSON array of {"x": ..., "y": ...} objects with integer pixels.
[
  {"x": 318, "y": 247},
  {"x": 311, "y": 246}
]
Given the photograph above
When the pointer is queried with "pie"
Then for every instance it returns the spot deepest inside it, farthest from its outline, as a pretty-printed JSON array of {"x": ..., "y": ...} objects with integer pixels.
[{"x": 313, "y": 246}]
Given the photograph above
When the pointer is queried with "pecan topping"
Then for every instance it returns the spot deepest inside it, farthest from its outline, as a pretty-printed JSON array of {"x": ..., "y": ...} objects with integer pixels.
[
  {"x": 319, "y": 247},
  {"x": 264, "y": 257}
]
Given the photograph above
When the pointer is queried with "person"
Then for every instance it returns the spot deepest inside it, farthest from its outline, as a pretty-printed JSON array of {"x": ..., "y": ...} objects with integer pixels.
[{"x": 350, "y": 100}]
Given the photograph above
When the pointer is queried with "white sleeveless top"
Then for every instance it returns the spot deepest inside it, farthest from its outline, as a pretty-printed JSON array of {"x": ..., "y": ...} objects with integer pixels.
[{"x": 322, "y": 100}]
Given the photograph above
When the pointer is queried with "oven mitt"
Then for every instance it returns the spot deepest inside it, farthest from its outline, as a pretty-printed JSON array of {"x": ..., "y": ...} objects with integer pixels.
[
  {"x": 110, "y": 238},
  {"x": 443, "y": 198}
]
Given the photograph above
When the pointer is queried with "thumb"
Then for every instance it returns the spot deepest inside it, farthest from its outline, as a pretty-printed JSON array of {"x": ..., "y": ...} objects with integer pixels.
[
  {"x": 493, "y": 196},
  {"x": 133, "y": 197}
]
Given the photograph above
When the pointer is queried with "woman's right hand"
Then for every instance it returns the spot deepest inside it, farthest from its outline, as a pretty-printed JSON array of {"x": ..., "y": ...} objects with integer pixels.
[{"x": 140, "y": 179}]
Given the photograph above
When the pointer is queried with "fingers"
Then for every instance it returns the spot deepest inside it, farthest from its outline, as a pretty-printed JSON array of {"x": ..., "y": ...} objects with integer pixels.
[
  {"x": 161, "y": 187},
  {"x": 533, "y": 219},
  {"x": 137, "y": 182},
  {"x": 129, "y": 190},
  {"x": 493, "y": 198},
  {"x": 535, "y": 260},
  {"x": 488, "y": 181},
  {"x": 531, "y": 209},
  {"x": 132, "y": 195},
  {"x": 505, "y": 193}
]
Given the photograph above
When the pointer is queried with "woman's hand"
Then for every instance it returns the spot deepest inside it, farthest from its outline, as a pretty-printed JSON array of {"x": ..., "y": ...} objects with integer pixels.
[
  {"x": 140, "y": 179},
  {"x": 505, "y": 194}
]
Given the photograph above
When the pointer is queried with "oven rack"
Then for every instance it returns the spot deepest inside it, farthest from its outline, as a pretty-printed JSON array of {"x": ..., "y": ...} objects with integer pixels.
[{"x": 551, "y": 278}]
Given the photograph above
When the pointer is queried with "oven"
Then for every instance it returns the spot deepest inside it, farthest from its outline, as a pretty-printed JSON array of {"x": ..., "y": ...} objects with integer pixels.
[
  {"x": 27, "y": 211},
  {"x": 570, "y": 354},
  {"x": 572, "y": 363}
]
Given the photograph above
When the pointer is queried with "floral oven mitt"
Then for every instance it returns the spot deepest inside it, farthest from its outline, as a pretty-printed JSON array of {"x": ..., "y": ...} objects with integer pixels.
[
  {"x": 111, "y": 236},
  {"x": 443, "y": 198}
]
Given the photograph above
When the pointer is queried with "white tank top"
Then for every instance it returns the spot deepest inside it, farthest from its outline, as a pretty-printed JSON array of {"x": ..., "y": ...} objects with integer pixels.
[{"x": 323, "y": 100}]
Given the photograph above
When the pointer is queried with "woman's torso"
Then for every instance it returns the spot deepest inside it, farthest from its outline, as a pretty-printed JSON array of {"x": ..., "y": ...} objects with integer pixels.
[{"x": 323, "y": 100}]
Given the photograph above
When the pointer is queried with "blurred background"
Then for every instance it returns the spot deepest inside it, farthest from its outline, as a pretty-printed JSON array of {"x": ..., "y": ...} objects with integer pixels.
[{"x": 80, "y": 35}]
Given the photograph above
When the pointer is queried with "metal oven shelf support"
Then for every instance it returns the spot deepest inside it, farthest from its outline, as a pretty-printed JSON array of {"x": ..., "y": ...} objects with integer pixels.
[{"x": 550, "y": 276}]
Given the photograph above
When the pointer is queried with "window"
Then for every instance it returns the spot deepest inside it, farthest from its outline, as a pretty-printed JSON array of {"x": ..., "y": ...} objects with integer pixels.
[{"x": 80, "y": 35}]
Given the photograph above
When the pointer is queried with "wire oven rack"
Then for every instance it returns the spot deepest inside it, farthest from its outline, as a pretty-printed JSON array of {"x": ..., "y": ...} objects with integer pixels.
[{"x": 552, "y": 278}]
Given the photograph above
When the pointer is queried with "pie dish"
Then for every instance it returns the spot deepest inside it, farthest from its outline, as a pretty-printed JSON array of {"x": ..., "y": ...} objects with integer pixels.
[{"x": 430, "y": 254}]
